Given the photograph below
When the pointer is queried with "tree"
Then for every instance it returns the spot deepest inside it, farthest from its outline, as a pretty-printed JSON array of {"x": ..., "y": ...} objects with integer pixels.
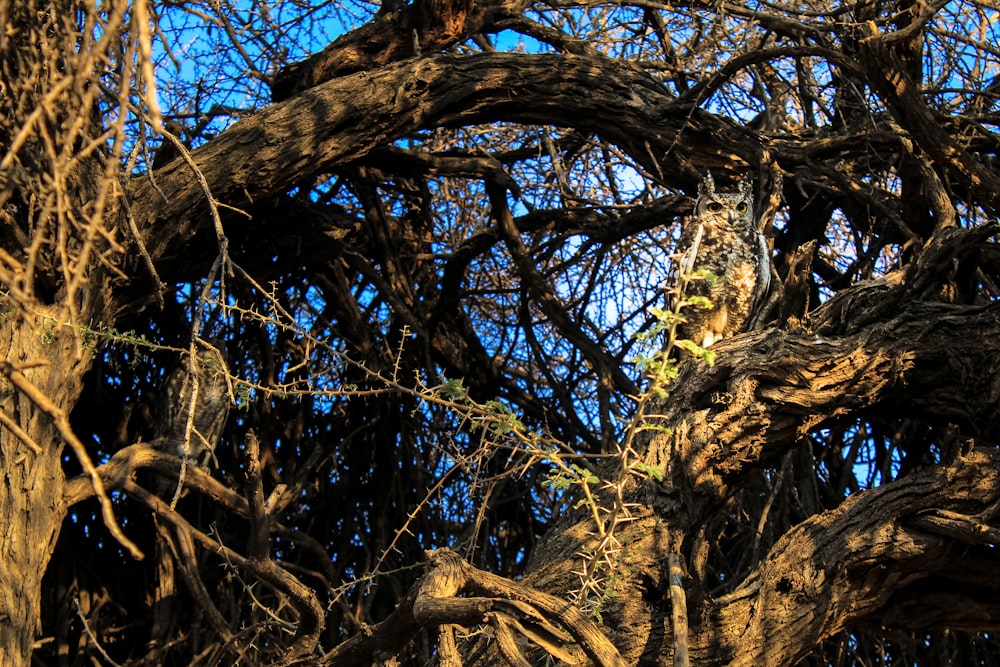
[{"x": 431, "y": 252}]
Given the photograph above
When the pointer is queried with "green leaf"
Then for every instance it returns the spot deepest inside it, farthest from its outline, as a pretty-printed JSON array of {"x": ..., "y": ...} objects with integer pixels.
[
  {"x": 650, "y": 471},
  {"x": 704, "y": 274},
  {"x": 696, "y": 350},
  {"x": 585, "y": 475},
  {"x": 453, "y": 389},
  {"x": 699, "y": 302}
]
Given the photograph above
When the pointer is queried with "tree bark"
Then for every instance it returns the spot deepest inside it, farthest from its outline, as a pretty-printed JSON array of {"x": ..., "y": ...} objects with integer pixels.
[
  {"x": 901, "y": 553},
  {"x": 44, "y": 351},
  {"x": 430, "y": 26},
  {"x": 344, "y": 119}
]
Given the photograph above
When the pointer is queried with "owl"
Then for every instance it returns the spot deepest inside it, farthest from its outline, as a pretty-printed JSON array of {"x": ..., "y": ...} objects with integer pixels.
[
  {"x": 209, "y": 387},
  {"x": 722, "y": 238}
]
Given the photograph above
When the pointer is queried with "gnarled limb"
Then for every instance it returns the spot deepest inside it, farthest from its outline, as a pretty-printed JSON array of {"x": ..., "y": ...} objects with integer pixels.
[
  {"x": 876, "y": 557},
  {"x": 427, "y": 26},
  {"x": 510, "y": 607}
]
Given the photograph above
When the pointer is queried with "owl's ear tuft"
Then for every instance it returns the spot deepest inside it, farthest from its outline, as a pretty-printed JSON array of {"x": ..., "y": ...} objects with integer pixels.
[
  {"x": 707, "y": 185},
  {"x": 746, "y": 185}
]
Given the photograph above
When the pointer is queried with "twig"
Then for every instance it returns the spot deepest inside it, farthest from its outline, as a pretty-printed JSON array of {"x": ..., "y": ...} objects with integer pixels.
[
  {"x": 158, "y": 285},
  {"x": 19, "y": 432},
  {"x": 679, "y": 617},
  {"x": 141, "y": 21},
  {"x": 90, "y": 633}
]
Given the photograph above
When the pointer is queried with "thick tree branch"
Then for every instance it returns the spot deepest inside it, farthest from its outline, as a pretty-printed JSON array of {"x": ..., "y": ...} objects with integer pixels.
[
  {"x": 428, "y": 26},
  {"x": 870, "y": 349},
  {"x": 510, "y": 607},
  {"x": 920, "y": 360},
  {"x": 889, "y": 76},
  {"x": 126, "y": 461},
  {"x": 302, "y": 598},
  {"x": 873, "y": 346},
  {"x": 884, "y": 557},
  {"x": 851, "y": 564},
  {"x": 344, "y": 119}
]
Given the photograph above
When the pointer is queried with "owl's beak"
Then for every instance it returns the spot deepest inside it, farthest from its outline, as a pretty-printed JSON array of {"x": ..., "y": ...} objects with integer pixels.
[{"x": 734, "y": 216}]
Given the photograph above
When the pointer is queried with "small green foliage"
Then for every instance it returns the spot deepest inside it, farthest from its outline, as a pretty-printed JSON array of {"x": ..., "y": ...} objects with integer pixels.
[
  {"x": 502, "y": 421},
  {"x": 699, "y": 302},
  {"x": 659, "y": 428},
  {"x": 8, "y": 310},
  {"x": 664, "y": 319},
  {"x": 564, "y": 476},
  {"x": 703, "y": 274},
  {"x": 558, "y": 479},
  {"x": 47, "y": 332},
  {"x": 706, "y": 355},
  {"x": 88, "y": 338},
  {"x": 585, "y": 476},
  {"x": 654, "y": 472},
  {"x": 659, "y": 363},
  {"x": 243, "y": 393},
  {"x": 91, "y": 336},
  {"x": 643, "y": 362},
  {"x": 453, "y": 390}
]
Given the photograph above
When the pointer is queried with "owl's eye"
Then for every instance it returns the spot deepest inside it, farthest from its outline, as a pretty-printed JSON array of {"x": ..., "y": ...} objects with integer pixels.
[
  {"x": 714, "y": 206},
  {"x": 742, "y": 207}
]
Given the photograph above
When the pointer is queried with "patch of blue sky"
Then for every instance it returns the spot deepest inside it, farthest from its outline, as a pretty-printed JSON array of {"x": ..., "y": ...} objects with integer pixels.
[
  {"x": 198, "y": 54},
  {"x": 607, "y": 294},
  {"x": 509, "y": 41},
  {"x": 871, "y": 460},
  {"x": 219, "y": 55},
  {"x": 638, "y": 280},
  {"x": 961, "y": 53},
  {"x": 972, "y": 216}
]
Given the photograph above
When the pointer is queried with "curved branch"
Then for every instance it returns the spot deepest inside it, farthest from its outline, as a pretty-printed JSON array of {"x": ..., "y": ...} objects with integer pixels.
[
  {"x": 868, "y": 560},
  {"x": 302, "y": 598},
  {"x": 881, "y": 554},
  {"x": 346, "y": 118},
  {"x": 885, "y": 70},
  {"x": 119, "y": 469},
  {"x": 869, "y": 347},
  {"x": 426, "y": 25},
  {"x": 511, "y": 607}
]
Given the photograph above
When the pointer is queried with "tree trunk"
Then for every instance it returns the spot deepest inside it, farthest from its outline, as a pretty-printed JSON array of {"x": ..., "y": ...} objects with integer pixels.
[
  {"x": 58, "y": 215},
  {"x": 39, "y": 350}
]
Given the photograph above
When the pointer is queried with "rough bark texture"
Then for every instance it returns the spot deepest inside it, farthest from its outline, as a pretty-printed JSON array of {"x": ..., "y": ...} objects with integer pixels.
[
  {"x": 876, "y": 347},
  {"x": 346, "y": 118},
  {"x": 917, "y": 552},
  {"x": 401, "y": 32},
  {"x": 865, "y": 562},
  {"x": 32, "y": 479}
]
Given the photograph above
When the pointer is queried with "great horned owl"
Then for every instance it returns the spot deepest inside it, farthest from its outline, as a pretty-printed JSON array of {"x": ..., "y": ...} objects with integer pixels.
[
  {"x": 723, "y": 239},
  {"x": 199, "y": 399}
]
